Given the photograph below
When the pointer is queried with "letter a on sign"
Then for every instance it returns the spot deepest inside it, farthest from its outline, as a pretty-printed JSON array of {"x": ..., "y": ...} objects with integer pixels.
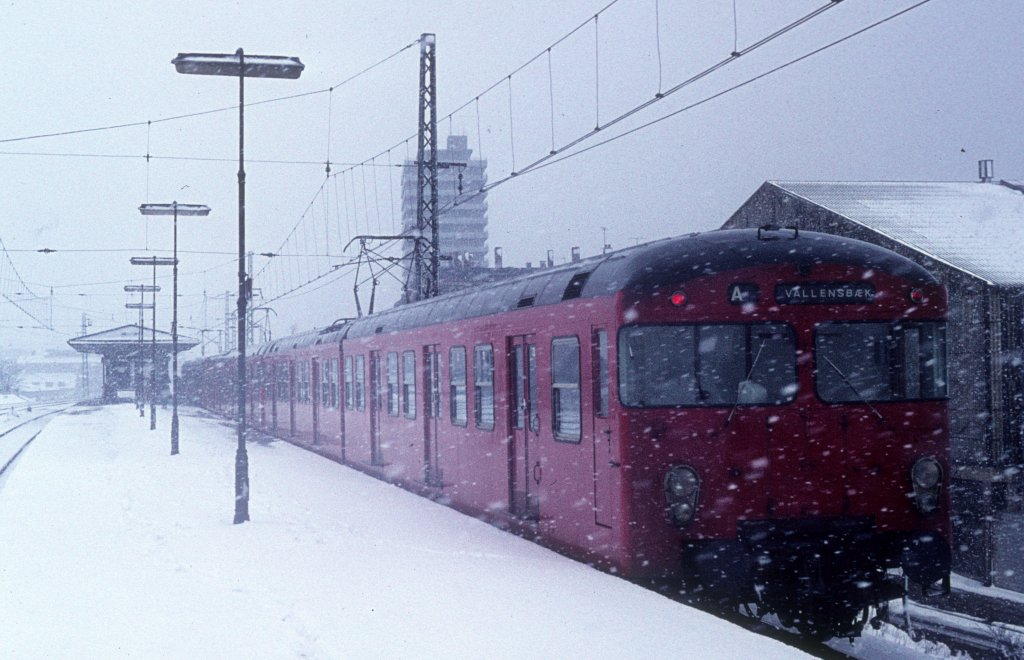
[{"x": 740, "y": 294}]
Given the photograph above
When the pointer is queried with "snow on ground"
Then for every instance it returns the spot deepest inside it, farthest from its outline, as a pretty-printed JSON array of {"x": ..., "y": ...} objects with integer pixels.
[{"x": 110, "y": 547}]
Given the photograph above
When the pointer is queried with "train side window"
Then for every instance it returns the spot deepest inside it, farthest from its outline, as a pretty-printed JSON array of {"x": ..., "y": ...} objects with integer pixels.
[
  {"x": 531, "y": 369},
  {"x": 392, "y": 376},
  {"x": 516, "y": 399},
  {"x": 360, "y": 382},
  {"x": 433, "y": 385},
  {"x": 282, "y": 381},
  {"x": 483, "y": 386},
  {"x": 565, "y": 388},
  {"x": 334, "y": 383},
  {"x": 349, "y": 384},
  {"x": 302, "y": 381},
  {"x": 409, "y": 384},
  {"x": 600, "y": 366},
  {"x": 457, "y": 384},
  {"x": 325, "y": 383}
]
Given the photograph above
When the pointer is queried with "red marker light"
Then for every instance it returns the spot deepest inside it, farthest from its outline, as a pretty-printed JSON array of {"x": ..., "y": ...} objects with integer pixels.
[
  {"x": 916, "y": 296},
  {"x": 678, "y": 298}
]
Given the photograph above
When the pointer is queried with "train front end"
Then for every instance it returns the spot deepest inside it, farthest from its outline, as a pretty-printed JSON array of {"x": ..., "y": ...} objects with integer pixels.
[{"x": 784, "y": 394}]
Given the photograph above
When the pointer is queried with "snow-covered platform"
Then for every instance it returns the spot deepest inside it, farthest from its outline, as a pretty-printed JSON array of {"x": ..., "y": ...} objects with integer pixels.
[{"x": 110, "y": 547}]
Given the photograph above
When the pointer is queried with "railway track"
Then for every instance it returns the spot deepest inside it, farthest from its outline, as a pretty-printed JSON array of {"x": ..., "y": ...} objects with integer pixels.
[
  {"x": 981, "y": 637},
  {"x": 19, "y": 432}
]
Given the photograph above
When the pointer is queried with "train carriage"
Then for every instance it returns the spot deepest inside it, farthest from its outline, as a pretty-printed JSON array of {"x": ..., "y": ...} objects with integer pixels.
[
  {"x": 295, "y": 389},
  {"x": 755, "y": 415}
]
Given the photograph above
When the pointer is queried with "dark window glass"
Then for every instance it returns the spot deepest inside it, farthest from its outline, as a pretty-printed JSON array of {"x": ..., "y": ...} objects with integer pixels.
[
  {"x": 457, "y": 384},
  {"x": 483, "y": 386},
  {"x": 707, "y": 365},
  {"x": 282, "y": 381},
  {"x": 880, "y": 361},
  {"x": 409, "y": 384},
  {"x": 531, "y": 369},
  {"x": 360, "y": 382},
  {"x": 349, "y": 383},
  {"x": 434, "y": 390},
  {"x": 517, "y": 399},
  {"x": 393, "y": 384},
  {"x": 600, "y": 365},
  {"x": 325, "y": 384},
  {"x": 565, "y": 386},
  {"x": 334, "y": 383}
]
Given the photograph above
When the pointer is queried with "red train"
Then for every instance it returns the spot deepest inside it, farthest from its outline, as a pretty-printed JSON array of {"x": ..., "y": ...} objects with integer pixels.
[{"x": 758, "y": 415}]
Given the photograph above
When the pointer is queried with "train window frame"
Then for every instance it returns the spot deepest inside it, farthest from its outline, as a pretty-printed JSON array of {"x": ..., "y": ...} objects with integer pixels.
[
  {"x": 483, "y": 386},
  {"x": 748, "y": 392},
  {"x": 282, "y": 384},
  {"x": 350, "y": 383},
  {"x": 360, "y": 382},
  {"x": 391, "y": 379},
  {"x": 432, "y": 386},
  {"x": 333, "y": 381},
  {"x": 601, "y": 378},
  {"x": 565, "y": 380},
  {"x": 325, "y": 383},
  {"x": 409, "y": 384},
  {"x": 302, "y": 381},
  {"x": 457, "y": 392},
  {"x": 894, "y": 342}
]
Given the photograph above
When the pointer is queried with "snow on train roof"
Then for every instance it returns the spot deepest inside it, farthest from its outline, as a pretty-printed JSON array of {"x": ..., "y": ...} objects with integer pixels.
[
  {"x": 673, "y": 259},
  {"x": 973, "y": 227}
]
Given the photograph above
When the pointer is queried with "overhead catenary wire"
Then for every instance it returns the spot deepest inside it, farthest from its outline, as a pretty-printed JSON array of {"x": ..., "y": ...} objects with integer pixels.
[
  {"x": 201, "y": 113},
  {"x": 516, "y": 170},
  {"x": 549, "y": 160}
]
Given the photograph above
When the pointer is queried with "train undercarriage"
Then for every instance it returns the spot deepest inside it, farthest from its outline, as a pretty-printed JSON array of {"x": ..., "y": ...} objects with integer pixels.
[{"x": 824, "y": 578}]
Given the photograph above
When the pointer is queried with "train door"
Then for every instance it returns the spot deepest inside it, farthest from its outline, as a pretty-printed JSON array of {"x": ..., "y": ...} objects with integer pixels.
[
  {"x": 605, "y": 463},
  {"x": 376, "y": 401},
  {"x": 432, "y": 414},
  {"x": 314, "y": 398},
  {"x": 524, "y": 426}
]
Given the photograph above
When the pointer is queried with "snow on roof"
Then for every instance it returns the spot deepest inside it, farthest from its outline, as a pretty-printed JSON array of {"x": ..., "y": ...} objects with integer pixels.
[
  {"x": 126, "y": 335},
  {"x": 977, "y": 228}
]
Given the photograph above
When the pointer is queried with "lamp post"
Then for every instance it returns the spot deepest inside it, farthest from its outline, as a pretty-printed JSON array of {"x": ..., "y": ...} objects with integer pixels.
[
  {"x": 141, "y": 289},
  {"x": 154, "y": 262},
  {"x": 242, "y": 66},
  {"x": 174, "y": 209}
]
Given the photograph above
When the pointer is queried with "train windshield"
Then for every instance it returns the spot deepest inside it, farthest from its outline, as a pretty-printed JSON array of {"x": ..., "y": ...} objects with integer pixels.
[
  {"x": 902, "y": 361},
  {"x": 707, "y": 365}
]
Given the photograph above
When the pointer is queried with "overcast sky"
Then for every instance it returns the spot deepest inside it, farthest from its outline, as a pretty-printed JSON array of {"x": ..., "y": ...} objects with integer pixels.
[{"x": 922, "y": 97}]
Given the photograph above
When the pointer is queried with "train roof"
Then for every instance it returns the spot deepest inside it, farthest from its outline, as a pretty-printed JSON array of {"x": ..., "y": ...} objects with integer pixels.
[
  {"x": 636, "y": 269},
  {"x": 329, "y": 335}
]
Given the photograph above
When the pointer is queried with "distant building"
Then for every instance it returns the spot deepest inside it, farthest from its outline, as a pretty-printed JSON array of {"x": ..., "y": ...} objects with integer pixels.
[
  {"x": 967, "y": 235},
  {"x": 50, "y": 376},
  {"x": 462, "y": 209}
]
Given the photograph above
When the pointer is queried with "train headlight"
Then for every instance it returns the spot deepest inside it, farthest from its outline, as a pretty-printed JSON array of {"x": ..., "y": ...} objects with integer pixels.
[
  {"x": 926, "y": 476},
  {"x": 682, "y": 485}
]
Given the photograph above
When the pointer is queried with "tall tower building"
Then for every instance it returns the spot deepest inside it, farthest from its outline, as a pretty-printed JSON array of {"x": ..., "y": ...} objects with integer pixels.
[{"x": 462, "y": 212}]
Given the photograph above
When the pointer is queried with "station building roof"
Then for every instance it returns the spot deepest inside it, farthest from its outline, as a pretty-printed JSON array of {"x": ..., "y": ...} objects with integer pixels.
[
  {"x": 975, "y": 227},
  {"x": 125, "y": 339}
]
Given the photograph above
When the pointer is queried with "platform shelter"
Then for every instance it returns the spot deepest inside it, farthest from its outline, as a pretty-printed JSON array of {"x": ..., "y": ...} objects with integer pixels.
[{"x": 128, "y": 355}]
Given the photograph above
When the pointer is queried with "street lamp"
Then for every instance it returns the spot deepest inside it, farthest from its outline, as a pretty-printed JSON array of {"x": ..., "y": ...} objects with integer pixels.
[
  {"x": 242, "y": 66},
  {"x": 154, "y": 262},
  {"x": 141, "y": 289},
  {"x": 175, "y": 209}
]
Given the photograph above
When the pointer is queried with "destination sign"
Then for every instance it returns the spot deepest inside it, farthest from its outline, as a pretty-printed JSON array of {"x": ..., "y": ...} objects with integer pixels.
[{"x": 825, "y": 293}]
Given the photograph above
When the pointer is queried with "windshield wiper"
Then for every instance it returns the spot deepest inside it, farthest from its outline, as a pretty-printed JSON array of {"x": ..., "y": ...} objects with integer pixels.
[
  {"x": 852, "y": 387},
  {"x": 746, "y": 379}
]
